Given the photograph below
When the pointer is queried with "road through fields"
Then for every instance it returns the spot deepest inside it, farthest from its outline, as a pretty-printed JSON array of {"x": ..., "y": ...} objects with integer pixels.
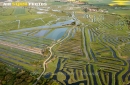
[{"x": 50, "y": 49}]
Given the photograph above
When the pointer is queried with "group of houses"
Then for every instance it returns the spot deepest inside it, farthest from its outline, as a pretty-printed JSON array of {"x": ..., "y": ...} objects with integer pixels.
[{"x": 94, "y": 9}]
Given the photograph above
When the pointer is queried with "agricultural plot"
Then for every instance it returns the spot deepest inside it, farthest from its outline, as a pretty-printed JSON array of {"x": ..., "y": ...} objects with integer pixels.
[
  {"x": 94, "y": 33},
  {"x": 6, "y": 11},
  {"x": 125, "y": 50},
  {"x": 19, "y": 59},
  {"x": 119, "y": 11},
  {"x": 41, "y": 33},
  {"x": 107, "y": 62},
  {"x": 126, "y": 76},
  {"x": 25, "y": 39},
  {"x": 100, "y": 50},
  {"x": 71, "y": 72},
  {"x": 80, "y": 71},
  {"x": 96, "y": 52},
  {"x": 116, "y": 40},
  {"x": 19, "y": 18},
  {"x": 102, "y": 41},
  {"x": 56, "y": 34},
  {"x": 19, "y": 11},
  {"x": 73, "y": 45},
  {"x": 10, "y": 25},
  {"x": 24, "y": 48},
  {"x": 20, "y": 23}
]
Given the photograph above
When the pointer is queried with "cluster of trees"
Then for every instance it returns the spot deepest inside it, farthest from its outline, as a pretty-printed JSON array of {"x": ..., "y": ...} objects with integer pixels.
[
  {"x": 127, "y": 19},
  {"x": 21, "y": 77}
]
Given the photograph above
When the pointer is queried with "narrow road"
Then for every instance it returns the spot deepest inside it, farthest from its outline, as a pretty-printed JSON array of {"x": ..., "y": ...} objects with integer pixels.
[
  {"x": 123, "y": 44},
  {"x": 50, "y": 49}
]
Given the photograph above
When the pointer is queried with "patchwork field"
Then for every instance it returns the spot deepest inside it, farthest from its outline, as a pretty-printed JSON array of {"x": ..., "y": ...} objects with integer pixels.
[
  {"x": 68, "y": 45},
  {"x": 19, "y": 11},
  {"x": 21, "y": 18},
  {"x": 106, "y": 42},
  {"x": 73, "y": 45}
]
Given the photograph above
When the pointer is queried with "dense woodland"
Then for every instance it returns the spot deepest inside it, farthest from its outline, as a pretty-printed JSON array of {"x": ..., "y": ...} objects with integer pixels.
[{"x": 21, "y": 77}]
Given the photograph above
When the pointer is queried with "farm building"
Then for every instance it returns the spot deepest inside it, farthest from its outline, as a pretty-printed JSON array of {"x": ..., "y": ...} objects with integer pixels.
[
  {"x": 79, "y": 2},
  {"x": 71, "y": 0},
  {"x": 93, "y": 9}
]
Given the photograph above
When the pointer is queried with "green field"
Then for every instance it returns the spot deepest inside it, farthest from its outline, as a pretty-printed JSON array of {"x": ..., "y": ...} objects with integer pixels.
[
  {"x": 21, "y": 17},
  {"x": 119, "y": 11},
  {"x": 94, "y": 52},
  {"x": 103, "y": 36},
  {"x": 19, "y": 11}
]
